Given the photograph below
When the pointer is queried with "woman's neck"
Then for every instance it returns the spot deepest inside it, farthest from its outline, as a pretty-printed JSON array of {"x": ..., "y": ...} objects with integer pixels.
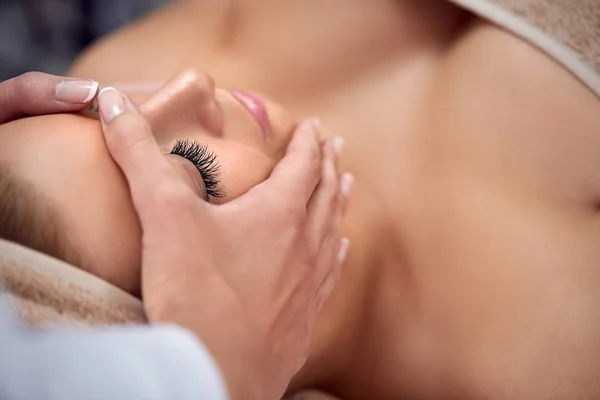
[{"x": 353, "y": 316}]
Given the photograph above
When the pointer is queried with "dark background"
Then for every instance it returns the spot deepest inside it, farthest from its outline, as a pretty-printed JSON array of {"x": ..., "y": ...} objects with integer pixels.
[{"x": 46, "y": 35}]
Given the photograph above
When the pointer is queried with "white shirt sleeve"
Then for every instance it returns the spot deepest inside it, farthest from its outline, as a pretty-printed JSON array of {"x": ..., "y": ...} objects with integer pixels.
[{"x": 136, "y": 362}]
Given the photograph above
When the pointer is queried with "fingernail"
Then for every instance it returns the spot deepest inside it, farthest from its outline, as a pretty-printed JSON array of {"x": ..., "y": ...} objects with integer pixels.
[
  {"x": 346, "y": 184},
  {"x": 110, "y": 104},
  {"x": 338, "y": 145},
  {"x": 343, "y": 250},
  {"x": 76, "y": 91}
]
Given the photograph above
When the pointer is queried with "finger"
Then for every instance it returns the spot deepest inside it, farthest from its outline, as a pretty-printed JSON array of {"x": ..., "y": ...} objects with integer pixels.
[
  {"x": 36, "y": 93},
  {"x": 333, "y": 277},
  {"x": 338, "y": 145},
  {"x": 334, "y": 227},
  {"x": 346, "y": 184},
  {"x": 154, "y": 185},
  {"x": 324, "y": 202},
  {"x": 330, "y": 224},
  {"x": 299, "y": 172}
]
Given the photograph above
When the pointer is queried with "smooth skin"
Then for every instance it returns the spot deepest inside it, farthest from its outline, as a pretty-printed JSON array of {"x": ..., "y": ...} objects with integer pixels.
[
  {"x": 263, "y": 303},
  {"x": 473, "y": 271}
]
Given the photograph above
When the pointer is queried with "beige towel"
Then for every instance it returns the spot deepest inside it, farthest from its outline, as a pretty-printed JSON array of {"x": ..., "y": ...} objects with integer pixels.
[
  {"x": 567, "y": 30},
  {"x": 49, "y": 292}
]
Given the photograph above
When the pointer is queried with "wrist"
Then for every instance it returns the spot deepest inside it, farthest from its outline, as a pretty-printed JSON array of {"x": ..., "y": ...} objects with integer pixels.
[
  {"x": 243, "y": 374},
  {"x": 231, "y": 349}
]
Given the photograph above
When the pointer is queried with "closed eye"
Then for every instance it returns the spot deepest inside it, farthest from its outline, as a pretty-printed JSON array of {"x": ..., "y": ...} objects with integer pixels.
[{"x": 205, "y": 162}]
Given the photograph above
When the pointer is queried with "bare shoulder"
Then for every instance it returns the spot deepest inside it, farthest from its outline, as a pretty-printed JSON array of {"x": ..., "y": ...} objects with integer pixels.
[
  {"x": 510, "y": 65},
  {"x": 514, "y": 98}
]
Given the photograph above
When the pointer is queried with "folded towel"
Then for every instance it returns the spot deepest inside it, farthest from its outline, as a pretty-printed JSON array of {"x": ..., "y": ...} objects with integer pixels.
[{"x": 47, "y": 292}]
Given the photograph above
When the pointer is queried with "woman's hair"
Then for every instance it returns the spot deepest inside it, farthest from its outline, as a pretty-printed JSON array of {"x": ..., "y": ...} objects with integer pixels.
[{"x": 28, "y": 218}]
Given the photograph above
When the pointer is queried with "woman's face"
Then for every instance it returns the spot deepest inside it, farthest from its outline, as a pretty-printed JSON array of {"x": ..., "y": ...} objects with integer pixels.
[{"x": 65, "y": 158}]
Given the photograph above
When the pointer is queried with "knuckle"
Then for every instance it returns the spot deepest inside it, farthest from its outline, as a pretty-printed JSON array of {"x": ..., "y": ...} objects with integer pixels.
[
  {"x": 27, "y": 80},
  {"x": 22, "y": 84},
  {"x": 311, "y": 268},
  {"x": 312, "y": 259}
]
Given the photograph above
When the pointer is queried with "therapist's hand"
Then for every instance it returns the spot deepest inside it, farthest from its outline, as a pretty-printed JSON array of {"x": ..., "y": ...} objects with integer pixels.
[
  {"x": 36, "y": 93},
  {"x": 247, "y": 277}
]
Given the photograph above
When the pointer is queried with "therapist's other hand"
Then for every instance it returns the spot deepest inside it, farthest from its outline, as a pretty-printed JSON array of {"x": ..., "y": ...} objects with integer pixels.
[
  {"x": 247, "y": 277},
  {"x": 36, "y": 93}
]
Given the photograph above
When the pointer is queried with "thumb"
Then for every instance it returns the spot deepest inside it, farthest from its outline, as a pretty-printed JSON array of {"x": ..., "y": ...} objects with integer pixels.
[{"x": 155, "y": 187}]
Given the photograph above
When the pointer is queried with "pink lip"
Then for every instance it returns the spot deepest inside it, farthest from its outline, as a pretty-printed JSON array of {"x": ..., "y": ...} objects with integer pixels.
[{"x": 255, "y": 107}]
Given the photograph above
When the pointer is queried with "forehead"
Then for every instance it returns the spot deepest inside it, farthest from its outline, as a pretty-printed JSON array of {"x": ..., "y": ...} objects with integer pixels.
[
  {"x": 64, "y": 157},
  {"x": 47, "y": 144}
]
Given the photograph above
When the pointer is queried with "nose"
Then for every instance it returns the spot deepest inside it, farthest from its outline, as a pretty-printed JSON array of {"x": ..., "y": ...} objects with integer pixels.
[{"x": 185, "y": 102}]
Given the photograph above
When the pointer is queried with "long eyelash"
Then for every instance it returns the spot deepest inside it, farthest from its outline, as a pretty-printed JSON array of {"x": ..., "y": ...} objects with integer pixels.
[{"x": 205, "y": 162}]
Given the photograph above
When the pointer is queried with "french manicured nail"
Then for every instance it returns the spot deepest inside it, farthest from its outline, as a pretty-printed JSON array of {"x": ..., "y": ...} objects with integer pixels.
[
  {"x": 110, "y": 104},
  {"x": 346, "y": 184},
  {"x": 343, "y": 250},
  {"x": 76, "y": 91},
  {"x": 338, "y": 145}
]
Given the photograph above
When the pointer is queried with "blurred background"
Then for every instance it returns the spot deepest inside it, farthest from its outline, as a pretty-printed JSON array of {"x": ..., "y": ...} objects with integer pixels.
[{"x": 46, "y": 35}]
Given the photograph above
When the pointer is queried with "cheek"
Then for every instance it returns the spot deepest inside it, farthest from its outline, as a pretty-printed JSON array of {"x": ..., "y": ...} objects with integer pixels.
[{"x": 242, "y": 170}]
